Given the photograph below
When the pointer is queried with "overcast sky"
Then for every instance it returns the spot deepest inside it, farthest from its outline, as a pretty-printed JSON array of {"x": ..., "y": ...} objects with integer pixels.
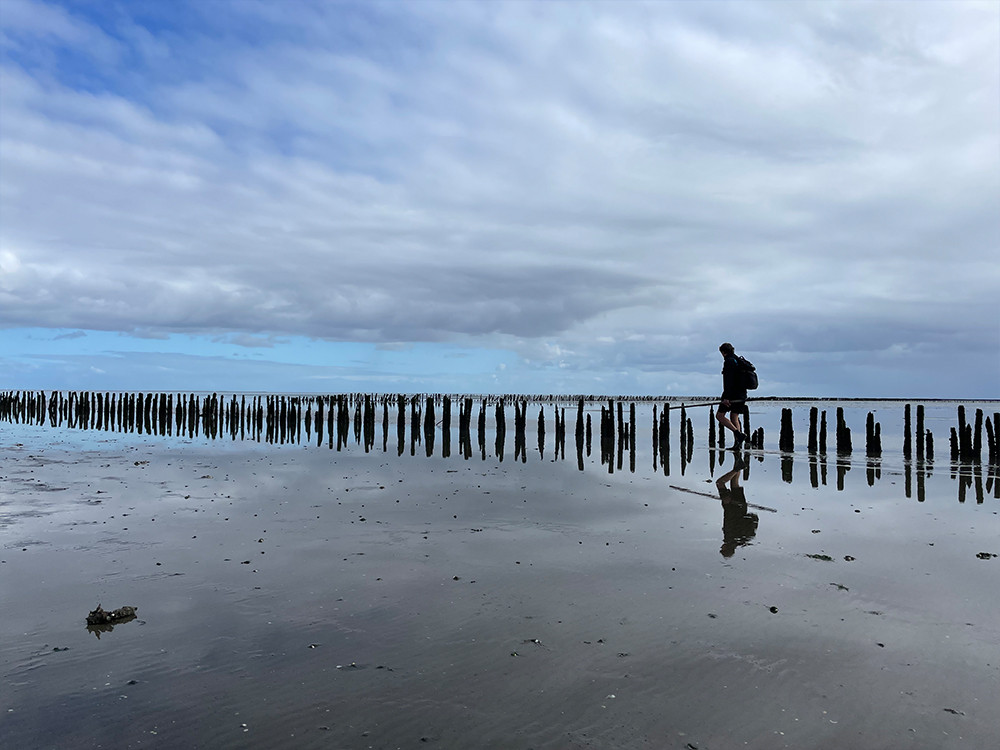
[{"x": 500, "y": 197}]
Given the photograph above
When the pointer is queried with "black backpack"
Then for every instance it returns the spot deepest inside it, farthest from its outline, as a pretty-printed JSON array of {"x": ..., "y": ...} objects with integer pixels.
[{"x": 747, "y": 373}]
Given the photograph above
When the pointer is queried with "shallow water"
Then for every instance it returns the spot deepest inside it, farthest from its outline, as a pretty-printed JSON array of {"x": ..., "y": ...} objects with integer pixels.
[{"x": 297, "y": 596}]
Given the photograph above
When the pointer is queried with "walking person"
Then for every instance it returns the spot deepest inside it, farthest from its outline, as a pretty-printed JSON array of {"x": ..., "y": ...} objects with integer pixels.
[{"x": 734, "y": 395}]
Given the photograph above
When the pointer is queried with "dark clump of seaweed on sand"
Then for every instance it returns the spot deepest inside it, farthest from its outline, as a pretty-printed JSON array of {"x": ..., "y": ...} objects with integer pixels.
[{"x": 101, "y": 621}]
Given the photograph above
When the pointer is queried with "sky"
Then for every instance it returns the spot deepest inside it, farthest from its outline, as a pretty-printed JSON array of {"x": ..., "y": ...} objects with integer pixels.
[{"x": 524, "y": 197}]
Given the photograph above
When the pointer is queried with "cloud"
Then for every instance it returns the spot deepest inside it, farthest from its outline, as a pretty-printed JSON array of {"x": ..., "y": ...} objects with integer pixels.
[
  {"x": 630, "y": 182},
  {"x": 146, "y": 334},
  {"x": 70, "y": 336},
  {"x": 250, "y": 342}
]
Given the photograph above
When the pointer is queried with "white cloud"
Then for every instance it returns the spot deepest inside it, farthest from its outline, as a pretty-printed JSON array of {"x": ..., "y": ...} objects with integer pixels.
[{"x": 630, "y": 183}]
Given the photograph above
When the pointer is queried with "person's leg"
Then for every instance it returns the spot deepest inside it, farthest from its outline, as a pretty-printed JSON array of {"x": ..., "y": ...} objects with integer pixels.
[
  {"x": 725, "y": 421},
  {"x": 732, "y": 422},
  {"x": 728, "y": 482}
]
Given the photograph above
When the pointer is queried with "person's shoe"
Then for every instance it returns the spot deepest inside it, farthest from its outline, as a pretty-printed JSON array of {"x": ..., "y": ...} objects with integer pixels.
[{"x": 740, "y": 438}]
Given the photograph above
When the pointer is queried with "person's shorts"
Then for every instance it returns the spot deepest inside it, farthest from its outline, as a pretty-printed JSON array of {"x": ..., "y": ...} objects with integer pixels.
[{"x": 722, "y": 408}]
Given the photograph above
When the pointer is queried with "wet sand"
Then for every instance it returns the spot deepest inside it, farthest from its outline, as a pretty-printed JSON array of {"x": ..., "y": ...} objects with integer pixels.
[{"x": 294, "y": 596}]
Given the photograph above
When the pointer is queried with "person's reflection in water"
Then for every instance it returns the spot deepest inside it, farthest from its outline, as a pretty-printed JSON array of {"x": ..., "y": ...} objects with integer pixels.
[{"x": 738, "y": 525}]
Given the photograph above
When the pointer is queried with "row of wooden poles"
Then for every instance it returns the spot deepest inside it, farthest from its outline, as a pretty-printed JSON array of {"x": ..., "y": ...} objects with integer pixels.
[
  {"x": 285, "y": 419},
  {"x": 966, "y": 438},
  {"x": 281, "y": 419}
]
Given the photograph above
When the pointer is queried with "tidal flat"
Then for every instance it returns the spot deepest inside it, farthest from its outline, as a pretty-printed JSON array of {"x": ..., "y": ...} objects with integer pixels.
[{"x": 295, "y": 595}]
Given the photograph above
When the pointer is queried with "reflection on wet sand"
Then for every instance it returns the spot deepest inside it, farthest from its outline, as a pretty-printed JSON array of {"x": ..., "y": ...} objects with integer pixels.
[
  {"x": 739, "y": 525},
  {"x": 107, "y": 627},
  {"x": 430, "y": 576}
]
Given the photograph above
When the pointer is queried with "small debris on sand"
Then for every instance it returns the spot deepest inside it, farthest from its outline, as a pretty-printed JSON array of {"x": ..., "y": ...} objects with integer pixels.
[
  {"x": 101, "y": 617},
  {"x": 101, "y": 621}
]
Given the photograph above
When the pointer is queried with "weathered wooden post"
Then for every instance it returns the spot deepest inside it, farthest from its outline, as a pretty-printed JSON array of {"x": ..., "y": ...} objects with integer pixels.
[
  {"x": 607, "y": 436},
  {"x": 369, "y": 422},
  {"x": 358, "y": 419},
  {"x": 977, "y": 438},
  {"x": 414, "y": 423},
  {"x": 682, "y": 433},
  {"x": 822, "y": 434},
  {"x": 964, "y": 435},
  {"x": 446, "y": 426},
  {"x": 665, "y": 439},
  {"x": 907, "y": 435},
  {"x": 920, "y": 432},
  {"x": 344, "y": 421},
  {"x": 690, "y": 440},
  {"x": 193, "y": 414},
  {"x": 786, "y": 438},
  {"x": 622, "y": 436},
  {"x": 631, "y": 436},
  {"x": 991, "y": 446},
  {"x": 501, "y": 437},
  {"x": 843, "y": 433},
  {"x": 520, "y": 447},
  {"x": 482, "y": 428},
  {"x": 463, "y": 428},
  {"x": 873, "y": 437},
  {"x": 656, "y": 439},
  {"x": 148, "y": 414},
  {"x": 996, "y": 439},
  {"x": 163, "y": 413},
  {"x": 621, "y": 424},
  {"x": 429, "y": 424},
  {"x": 385, "y": 424},
  {"x": 400, "y": 424},
  {"x": 579, "y": 434},
  {"x": 561, "y": 432},
  {"x": 467, "y": 454},
  {"x": 318, "y": 424},
  {"x": 541, "y": 432}
]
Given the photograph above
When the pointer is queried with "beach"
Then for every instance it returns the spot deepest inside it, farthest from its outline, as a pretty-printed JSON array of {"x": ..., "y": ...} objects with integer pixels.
[{"x": 298, "y": 595}]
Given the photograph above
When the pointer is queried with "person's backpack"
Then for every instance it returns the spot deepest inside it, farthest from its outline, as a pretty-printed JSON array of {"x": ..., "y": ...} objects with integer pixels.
[{"x": 747, "y": 373}]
